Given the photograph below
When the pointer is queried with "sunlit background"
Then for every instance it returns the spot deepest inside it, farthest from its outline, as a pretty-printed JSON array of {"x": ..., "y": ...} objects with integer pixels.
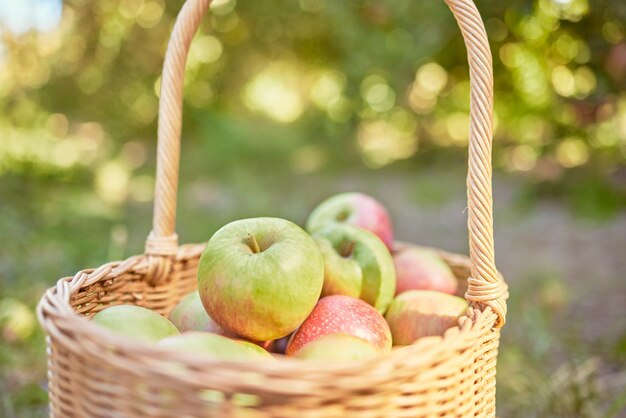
[{"x": 287, "y": 102}]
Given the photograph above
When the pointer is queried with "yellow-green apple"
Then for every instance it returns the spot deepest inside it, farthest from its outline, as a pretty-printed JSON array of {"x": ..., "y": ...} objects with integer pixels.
[
  {"x": 261, "y": 277},
  {"x": 136, "y": 322},
  {"x": 356, "y": 209},
  {"x": 357, "y": 264},
  {"x": 339, "y": 314},
  {"x": 216, "y": 346},
  {"x": 419, "y": 268},
  {"x": 420, "y": 313},
  {"x": 337, "y": 347}
]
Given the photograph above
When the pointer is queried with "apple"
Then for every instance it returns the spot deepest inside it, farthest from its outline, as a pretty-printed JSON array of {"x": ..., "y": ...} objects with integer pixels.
[
  {"x": 339, "y": 314},
  {"x": 420, "y": 313},
  {"x": 261, "y": 277},
  {"x": 215, "y": 345},
  {"x": 136, "y": 322},
  {"x": 190, "y": 315},
  {"x": 357, "y": 264},
  {"x": 419, "y": 268},
  {"x": 337, "y": 347},
  {"x": 356, "y": 209}
]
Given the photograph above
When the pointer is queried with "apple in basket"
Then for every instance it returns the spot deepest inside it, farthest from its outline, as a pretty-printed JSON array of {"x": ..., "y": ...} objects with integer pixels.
[
  {"x": 340, "y": 314},
  {"x": 355, "y": 209},
  {"x": 337, "y": 347},
  {"x": 216, "y": 346},
  {"x": 136, "y": 322},
  {"x": 419, "y": 268},
  {"x": 357, "y": 264},
  {"x": 260, "y": 277},
  {"x": 190, "y": 315},
  {"x": 421, "y": 313}
]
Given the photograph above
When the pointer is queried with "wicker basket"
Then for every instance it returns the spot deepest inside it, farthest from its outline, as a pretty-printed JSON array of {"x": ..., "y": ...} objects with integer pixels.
[{"x": 93, "y": 373}]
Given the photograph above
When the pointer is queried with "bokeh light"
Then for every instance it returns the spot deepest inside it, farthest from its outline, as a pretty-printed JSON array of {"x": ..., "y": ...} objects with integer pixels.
[
  {"x": 384, "y": 141},
  {"x": 275, "y": 92},
  {"x": 377, "y": 93},
  {"x": 112, "y": 181},
  {"x": 544, "y": 67}
]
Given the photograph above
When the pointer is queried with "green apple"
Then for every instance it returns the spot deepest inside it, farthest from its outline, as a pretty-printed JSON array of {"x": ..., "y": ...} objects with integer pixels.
[
  {"x": 337, "y": 347},
  {"x": 260, "y": 277},
  {"x": 421, "y": 313},
  {"x": 136, "y": 322},
  {"x": 216, "y": 346},
  {"x": 356, "y": 263}
]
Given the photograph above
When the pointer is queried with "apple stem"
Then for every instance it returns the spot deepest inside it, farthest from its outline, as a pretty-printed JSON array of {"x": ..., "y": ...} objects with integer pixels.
[
  {"x": 253, "y": 244},
  {"x": 347, "y": 248}
]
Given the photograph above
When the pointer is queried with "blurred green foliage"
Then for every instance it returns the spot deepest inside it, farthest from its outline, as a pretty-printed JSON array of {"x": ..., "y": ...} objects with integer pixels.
[
  {"x": 354, "y": 79},
  {"x": 305, "y": 89}
]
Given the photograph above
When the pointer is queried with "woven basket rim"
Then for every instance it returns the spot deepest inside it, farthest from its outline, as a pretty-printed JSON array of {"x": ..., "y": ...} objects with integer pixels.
[{"x": 65, "y": 322}]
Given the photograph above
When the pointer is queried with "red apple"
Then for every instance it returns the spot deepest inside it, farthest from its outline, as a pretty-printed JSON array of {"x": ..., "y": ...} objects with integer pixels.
[
  {"x": 357, "y": 209},
  {"x": 419, "y": 268},
  {"x": 340, "y": 314},
  {"x": 421, "y": 313}
]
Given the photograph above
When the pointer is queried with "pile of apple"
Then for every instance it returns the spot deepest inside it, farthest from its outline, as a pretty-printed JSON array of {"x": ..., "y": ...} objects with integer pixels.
[{"x": 341, "y": 291}]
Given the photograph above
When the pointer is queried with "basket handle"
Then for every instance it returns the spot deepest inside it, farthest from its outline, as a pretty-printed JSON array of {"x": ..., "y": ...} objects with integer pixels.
[{"x": 486, "y": 286}]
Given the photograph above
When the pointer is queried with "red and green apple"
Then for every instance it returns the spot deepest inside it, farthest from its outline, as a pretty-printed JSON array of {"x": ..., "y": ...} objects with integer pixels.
[
  {"x": 339, "y": 314},
  {"x": 261, "y": 277},
  {"x": 419, "y": 268},
  {"x": 356, "y": 209},
  {"x": 421, "y": 313}
]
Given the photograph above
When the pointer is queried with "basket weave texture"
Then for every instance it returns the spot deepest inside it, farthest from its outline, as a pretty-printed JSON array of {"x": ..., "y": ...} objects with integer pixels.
[{"x": 93, "y": 373}]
